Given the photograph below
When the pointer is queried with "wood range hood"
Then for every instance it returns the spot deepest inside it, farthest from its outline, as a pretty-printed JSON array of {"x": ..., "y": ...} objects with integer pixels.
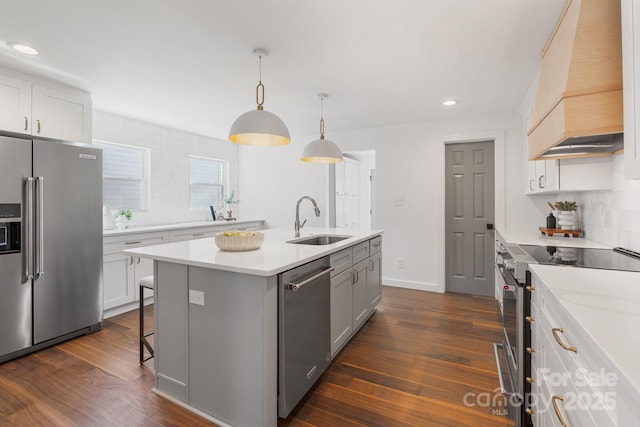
[{"x": 578, "y": 106}]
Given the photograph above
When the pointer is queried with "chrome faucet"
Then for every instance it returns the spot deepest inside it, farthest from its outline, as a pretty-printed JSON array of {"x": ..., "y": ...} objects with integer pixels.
[{"x": 297, "y": 224}]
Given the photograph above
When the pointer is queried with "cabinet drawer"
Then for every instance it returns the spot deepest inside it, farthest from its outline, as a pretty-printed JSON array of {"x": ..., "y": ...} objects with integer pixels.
[
  {"x": 193, "y": 233},
  {"x": 341, "y": 261},
  {"x": 114, "y": 245},
  {"x": 360, "y": 252},
  {"x": 375, "y": 245}
]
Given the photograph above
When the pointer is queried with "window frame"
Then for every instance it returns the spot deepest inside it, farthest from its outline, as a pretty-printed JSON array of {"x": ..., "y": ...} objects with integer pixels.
[
  {"x": 223, "y": 186},
  {"x": 146, "y": 173}
]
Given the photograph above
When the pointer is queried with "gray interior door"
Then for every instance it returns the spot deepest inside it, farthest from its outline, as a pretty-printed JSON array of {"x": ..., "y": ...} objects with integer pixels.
[
  {"x": 469, "y": 196},
  {"x": 15, "y": 287},
  {"x": 68, "y": 295}
]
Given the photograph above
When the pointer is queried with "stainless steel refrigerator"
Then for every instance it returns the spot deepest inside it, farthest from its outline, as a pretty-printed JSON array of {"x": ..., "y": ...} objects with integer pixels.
[{"x": 50, "y": 243}]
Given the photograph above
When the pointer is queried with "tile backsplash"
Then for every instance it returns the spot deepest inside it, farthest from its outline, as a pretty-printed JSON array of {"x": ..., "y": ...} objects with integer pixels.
[
  {"x": 613, "y": 217},
  {"x": 169, "y": 164}
]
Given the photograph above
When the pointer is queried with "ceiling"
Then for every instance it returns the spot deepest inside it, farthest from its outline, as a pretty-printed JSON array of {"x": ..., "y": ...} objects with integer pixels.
[{"x": 188, "y": 64}]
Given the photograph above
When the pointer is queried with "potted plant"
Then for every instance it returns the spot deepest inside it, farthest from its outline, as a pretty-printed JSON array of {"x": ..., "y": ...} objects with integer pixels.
[
  {"x": 123, "y": 218},
  {"x": 230, "y": 201},
  {"x": 567, "y": 218}
]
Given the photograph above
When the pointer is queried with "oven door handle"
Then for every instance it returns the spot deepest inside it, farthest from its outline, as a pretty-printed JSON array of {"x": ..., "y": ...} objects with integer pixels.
[{"x": 499, "y": 365}]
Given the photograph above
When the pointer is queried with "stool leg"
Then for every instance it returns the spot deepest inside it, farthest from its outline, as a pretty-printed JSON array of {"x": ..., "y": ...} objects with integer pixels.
[{"x": 141, "y": 312}]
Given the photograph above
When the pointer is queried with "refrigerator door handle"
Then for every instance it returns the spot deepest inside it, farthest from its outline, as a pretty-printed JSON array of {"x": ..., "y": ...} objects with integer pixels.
[
  {"x": 29, "y": 214},
  {"x": 40, "y": 219}
]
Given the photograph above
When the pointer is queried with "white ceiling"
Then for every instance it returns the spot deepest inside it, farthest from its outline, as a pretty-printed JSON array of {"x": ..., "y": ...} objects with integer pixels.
[{"x": 188, "y": 64}]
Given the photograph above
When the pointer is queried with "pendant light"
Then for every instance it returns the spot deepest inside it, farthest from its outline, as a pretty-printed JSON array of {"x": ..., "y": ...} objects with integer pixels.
[
  {"x": 322, "y": 150},
  {"x": 259, "y": 127}
]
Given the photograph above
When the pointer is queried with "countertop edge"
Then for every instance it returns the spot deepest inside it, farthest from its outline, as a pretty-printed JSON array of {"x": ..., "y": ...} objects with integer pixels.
[
  {"x": 536, "y": 238},
  {"x": 144, "y": 252},
  {"x": 172, "y": 227}
]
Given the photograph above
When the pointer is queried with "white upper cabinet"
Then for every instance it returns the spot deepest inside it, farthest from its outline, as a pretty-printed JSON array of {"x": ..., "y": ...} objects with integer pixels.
[
  {"x": 542, "y": 175},
  {"x": 631, "y": 87},
  {"x": 15, "y": 105},
  {"x": 61, "y": 114},
  {"x": 43, "y": 111},
  {"x": 567, "y": 175}
]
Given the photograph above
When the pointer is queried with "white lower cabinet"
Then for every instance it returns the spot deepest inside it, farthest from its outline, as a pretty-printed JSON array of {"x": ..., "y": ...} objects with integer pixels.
[
  {"x": 356, "y": 289},
  {"x": 123, "y": 272},
  {"x": 568, "y": 373},
  {"x": 118, "y": 280}
]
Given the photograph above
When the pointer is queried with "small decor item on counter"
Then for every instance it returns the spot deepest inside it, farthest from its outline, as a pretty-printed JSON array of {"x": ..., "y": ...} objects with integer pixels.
[
  {"x": 230, "y": 201},
  {"x": 123, "y": 218},
  {"x": 566, "y": 233},
  {"x": 238, "y": 241},
  {"x": 126, "y": 213},
  {"x": 121, "y": 222},
  {"x": 107, "y": 218},
  {"x": 551, "y": 220},
  {"x": 567, "y": 218}
]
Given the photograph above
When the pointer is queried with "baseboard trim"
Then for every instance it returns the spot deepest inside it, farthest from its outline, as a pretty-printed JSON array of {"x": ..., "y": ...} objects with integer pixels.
[
  {"x": 134, "y": 305},
  {"x": 408, "y": 284}
]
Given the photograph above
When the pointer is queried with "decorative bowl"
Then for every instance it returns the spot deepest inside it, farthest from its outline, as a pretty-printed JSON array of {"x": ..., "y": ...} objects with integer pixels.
[{"x": 238, "y": 241}]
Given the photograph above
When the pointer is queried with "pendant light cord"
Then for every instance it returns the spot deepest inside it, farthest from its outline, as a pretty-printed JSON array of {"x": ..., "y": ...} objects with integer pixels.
[
  {"x": 321, "y": 118},
  {"x": 260, "y": 87}
]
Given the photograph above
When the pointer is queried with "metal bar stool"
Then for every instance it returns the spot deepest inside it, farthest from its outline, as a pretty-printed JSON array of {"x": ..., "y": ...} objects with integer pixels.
[{"x": 145, "y": 283}]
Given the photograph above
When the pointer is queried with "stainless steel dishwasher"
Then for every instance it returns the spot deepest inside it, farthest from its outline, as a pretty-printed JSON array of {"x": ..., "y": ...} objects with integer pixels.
[{"x": 304, "y": 331}]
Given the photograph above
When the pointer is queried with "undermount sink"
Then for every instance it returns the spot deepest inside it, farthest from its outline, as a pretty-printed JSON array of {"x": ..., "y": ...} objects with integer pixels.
[{"x": 319, "y": 240}]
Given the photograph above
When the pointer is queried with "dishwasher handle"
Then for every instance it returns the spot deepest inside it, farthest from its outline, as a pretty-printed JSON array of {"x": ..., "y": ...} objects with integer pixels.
[{"x": 295, "y": 286}]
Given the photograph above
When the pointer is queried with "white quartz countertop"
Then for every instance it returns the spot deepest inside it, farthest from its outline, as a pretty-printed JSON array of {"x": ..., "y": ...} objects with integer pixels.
[
  {"x": 169, "y": 227},
  {"x": 606, "y": 304},
  {"x": 535, "y": 237},
  {"x": 274, "y": 256}
]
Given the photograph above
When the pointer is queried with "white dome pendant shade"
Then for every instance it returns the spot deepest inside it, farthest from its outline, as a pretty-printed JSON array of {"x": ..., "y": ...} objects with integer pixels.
[
  {"x": 259, "y": 127},
  {"x": 322, "y": 150}
]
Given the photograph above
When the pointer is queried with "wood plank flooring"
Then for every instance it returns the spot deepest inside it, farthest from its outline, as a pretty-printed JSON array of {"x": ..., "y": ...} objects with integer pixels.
[{"x": 410, "y": 365}]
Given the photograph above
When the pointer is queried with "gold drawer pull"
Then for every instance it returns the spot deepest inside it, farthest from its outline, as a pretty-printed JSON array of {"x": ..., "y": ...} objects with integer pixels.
[
  {"x": 555, "y": 331},
  {"x": 530, "y": 350},
  {"x": 530, "y": 411},
  {"x": 530, "y": 380},
  {"x": 529, "y": 319},
  {"x": 531, "y": 288},
  {"x": 555, "y": 408}
]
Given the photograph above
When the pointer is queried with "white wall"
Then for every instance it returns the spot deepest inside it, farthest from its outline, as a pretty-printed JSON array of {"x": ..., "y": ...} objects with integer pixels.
[
  {"x": 169, "y": 165},
  {"x": 613, "y": 217},
  {"x": 272, "y": 180},
  {"x": 409, "y": 163}
]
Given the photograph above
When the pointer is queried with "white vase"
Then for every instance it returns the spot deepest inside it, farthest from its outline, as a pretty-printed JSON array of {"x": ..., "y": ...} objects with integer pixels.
[
  {"x": 567, "y": 220},
  {"x": 121, "y": 222}
]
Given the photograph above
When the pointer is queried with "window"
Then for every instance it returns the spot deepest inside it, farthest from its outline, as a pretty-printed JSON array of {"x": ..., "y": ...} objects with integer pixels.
[
  {"x": 207, "y": 180},
  {"x": 125, "y": 175}
]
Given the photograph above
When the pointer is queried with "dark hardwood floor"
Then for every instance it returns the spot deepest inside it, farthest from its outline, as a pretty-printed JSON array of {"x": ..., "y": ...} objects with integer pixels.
[{"x": 411, "y": 365}]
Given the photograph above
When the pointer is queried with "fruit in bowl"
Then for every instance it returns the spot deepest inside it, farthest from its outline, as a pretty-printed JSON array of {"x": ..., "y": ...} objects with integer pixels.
[{"x": 237, "y": 241}]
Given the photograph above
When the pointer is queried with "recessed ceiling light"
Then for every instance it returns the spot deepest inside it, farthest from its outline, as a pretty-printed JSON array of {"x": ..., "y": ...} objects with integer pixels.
[
  {"x": 23, "y": 48},
  {"x": 449, "y": 103}
]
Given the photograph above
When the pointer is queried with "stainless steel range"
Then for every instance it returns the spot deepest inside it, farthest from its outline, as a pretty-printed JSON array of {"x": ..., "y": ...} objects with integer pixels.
[{"x": 512, "y": 354}]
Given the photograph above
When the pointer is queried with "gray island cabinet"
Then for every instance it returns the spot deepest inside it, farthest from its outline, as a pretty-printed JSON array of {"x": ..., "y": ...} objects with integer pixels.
[{"x": 216, "y": 317}]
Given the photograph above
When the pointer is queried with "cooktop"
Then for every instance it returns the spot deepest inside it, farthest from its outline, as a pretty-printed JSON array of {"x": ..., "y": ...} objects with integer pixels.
[{"x": 607, "y": 259}]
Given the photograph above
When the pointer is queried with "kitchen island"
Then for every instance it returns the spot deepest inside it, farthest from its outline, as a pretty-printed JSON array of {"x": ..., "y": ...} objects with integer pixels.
[{"x": 216, "y": 319}]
